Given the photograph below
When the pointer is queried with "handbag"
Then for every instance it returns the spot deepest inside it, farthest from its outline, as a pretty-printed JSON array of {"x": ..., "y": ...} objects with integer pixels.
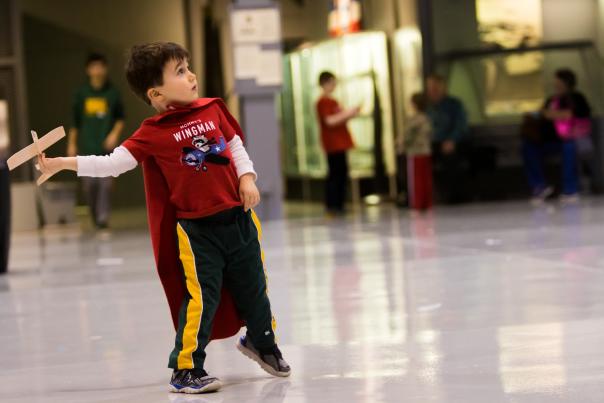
[{"x": 572, "y": 128}]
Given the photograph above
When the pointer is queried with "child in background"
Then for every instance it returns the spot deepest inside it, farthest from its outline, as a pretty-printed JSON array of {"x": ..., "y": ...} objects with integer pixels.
[
  {"x": 416, "y": 143},
  {"x": 336, "y": 140}
]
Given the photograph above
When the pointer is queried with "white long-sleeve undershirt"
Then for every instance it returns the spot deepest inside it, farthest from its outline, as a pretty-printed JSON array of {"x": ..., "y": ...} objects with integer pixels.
[{"x": 121, "y": 160}]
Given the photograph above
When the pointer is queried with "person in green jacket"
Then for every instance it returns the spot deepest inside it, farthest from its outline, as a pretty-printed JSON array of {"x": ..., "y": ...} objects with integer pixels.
[{"x": 98, "y": 121}]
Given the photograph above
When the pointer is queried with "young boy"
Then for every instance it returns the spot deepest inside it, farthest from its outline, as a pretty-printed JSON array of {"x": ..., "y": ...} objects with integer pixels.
[
  {"x": 336, "y": 140},
  {"x": 200, "y": 186}
]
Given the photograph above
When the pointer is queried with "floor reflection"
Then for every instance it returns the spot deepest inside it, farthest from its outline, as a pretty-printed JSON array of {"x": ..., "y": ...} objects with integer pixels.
[{"x": 489, "y": 303}]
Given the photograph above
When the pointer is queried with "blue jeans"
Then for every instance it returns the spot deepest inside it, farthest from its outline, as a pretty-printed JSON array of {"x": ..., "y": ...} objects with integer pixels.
[{"x": 533, "y": 163}]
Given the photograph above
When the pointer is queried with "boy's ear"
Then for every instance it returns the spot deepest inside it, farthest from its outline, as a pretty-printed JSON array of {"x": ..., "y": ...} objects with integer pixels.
[{"x": 152, "y": 94}]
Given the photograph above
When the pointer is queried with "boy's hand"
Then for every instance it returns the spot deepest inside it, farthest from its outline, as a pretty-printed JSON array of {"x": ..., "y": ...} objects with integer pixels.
[
  {"x": 355, "y": 111},
  {"x": 448, "y": 147},
  {"x": 109, "y": 144},
  {"x": 49, "y": 166},
  {"x": 111, "y": 141},
  {"x": 248, "y": 192}
]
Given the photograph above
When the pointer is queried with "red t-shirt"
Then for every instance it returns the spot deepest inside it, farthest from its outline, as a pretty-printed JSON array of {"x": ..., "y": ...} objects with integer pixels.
[
  {"x": 334, "y": 138},
  {"x": 189, "y": 144}
]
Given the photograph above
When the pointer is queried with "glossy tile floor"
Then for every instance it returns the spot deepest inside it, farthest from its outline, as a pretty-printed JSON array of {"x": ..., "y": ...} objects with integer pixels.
[{"x": 487, "y": 303}]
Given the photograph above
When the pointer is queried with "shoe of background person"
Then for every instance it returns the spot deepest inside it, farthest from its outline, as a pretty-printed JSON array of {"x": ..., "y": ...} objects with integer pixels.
[
  {"x": 193, "y": 381},
  {"x": 540, "y": 195},
  {"x": 569, "y": 200},
  {"x": 271, "y": 360}
]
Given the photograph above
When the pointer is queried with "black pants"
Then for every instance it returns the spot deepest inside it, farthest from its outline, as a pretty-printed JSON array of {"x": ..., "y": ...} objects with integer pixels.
[
  {"x": 223, "y": 249},
  {"x": 337, "y": 181},
  {"x": 401, "y": 180},
  {"x": 452, "y": 177}
]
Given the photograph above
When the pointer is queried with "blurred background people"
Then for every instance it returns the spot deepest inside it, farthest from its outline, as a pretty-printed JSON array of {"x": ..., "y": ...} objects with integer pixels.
[
  {"x": 565, "y": 123},
  {"x": 450, "y": 129},
  {"x": 416, "y": 144},
  {"x": 336, "y": 141},
  {"x": 98, "y": 121}
]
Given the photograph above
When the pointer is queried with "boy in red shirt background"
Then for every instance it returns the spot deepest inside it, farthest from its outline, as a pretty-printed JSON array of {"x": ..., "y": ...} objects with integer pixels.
[
  {"x": 200, "y": 186},
  {"x": 336, "y": 141}
]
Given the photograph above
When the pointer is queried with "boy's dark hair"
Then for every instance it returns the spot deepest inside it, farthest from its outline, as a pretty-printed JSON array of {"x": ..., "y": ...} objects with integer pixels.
[
  {"x": 95, "y": 57},
  {"x": 326, "y": 77},
  {"x": 568, "y": 77},
  {"x": 145, "y": 66},
  {"x": 436, "y": 77},
  {"x": 419, "y": 101}
]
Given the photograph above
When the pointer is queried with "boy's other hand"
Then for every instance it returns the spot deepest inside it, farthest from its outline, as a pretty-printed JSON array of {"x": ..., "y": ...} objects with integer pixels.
[
  {"x": 248, "y": 192},
  {"x": 355, "y": 111},
  {"x": 109, "y": 144},
  {"x": 448, "y": 147}
]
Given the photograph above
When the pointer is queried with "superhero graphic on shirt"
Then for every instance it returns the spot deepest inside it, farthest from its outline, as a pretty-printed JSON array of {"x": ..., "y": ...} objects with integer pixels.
[{"x": 206, "y": 151}]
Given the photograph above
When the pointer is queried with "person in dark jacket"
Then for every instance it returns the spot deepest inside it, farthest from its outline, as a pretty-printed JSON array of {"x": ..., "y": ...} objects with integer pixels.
[
  {"x": 450, "y": 129},
  {"x": 565, "y": 117}
]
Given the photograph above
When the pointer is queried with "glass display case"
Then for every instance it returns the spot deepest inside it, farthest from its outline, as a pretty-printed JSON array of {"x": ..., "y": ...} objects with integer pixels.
[
  {"x": 360, "y": 61},
  {"x": 493, "y": 92}
]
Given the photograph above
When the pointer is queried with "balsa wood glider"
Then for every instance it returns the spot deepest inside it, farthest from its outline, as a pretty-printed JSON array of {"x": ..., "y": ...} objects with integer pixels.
[{"x": 35, "y": 149}]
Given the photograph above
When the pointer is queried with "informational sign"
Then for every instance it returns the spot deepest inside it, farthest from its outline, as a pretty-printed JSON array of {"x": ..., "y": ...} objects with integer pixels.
[
  {"x": 256, "y": 25},
  {"x": 345, "y": 16},
  {"x": 256, "y": 35}
]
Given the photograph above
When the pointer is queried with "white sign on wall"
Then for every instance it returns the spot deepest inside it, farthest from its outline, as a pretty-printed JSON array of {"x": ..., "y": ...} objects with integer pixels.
[
  {"x": 256, "y": 25},
  {"x": 256, "y": 34}
]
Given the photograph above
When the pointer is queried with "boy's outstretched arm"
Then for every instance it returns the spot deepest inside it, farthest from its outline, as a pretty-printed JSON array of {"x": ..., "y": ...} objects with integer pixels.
[{"x": 115, "y": 164}]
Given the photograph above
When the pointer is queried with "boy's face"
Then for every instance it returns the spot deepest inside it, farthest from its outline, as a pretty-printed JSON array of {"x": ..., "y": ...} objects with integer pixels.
[
  {"x": 179, "y": 87},
  {"x": 330, "y": 86},
  {"x": 97, "y": 71}
]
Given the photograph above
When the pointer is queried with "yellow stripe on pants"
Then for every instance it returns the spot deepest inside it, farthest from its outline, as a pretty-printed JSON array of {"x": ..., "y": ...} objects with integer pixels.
[
  {"x": 258, "y": 226},
  {"x": 195, "y": 307}
]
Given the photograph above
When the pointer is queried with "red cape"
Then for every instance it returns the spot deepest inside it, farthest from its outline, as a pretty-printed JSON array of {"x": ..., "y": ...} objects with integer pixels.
[{"x": 162, "y": 226}]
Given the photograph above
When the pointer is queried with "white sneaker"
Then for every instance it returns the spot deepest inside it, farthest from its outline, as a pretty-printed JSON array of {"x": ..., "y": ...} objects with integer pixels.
[
  {"x": 540, "y": 197},
  {"x": 569, "y": 200}
]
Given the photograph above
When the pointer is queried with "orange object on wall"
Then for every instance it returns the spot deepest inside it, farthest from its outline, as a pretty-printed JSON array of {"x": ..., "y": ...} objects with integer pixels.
[{"x": 345, "y": 17}]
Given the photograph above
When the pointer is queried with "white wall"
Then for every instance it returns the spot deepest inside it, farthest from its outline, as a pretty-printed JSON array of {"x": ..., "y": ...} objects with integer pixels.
[{"x": 567, "y": 20}]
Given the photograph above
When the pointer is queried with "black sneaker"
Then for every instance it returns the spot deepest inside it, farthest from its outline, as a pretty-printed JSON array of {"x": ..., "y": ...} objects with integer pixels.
[
  {"x": 271, "y": 360},
  {"x": 193, "y": 381}
]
